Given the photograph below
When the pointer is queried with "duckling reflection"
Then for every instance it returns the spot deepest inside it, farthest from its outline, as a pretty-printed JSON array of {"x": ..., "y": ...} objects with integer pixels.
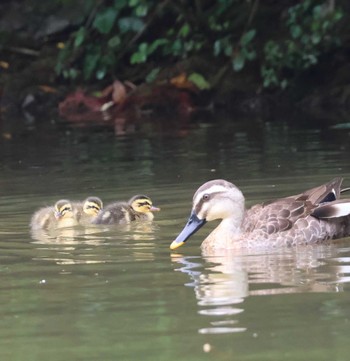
[
  {"x": 222, "y": 281},
  {"x": 61, "y": 215},
  {"x": 75, "y": 246},
  {"x": 138, "y": 208}
]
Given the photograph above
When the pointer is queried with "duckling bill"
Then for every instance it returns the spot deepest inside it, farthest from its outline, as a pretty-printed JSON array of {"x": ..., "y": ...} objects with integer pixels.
[
  {"x": 314, "y": 216},
  {"x": 138, "y": 208}
]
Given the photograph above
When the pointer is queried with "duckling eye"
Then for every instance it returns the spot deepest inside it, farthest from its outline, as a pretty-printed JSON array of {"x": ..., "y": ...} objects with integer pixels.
[
  {"x": 140, "y": 204},
  {"x": 206, "y": 197},
  {"x": 91, "y": 206}
]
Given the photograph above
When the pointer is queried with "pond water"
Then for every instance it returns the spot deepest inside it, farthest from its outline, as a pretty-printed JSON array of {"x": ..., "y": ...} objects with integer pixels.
[{"x": 120, "y": 294}]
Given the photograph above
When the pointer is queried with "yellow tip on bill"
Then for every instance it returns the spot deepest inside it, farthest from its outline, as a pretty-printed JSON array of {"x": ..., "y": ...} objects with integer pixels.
[{"x": 175, "y": 245}]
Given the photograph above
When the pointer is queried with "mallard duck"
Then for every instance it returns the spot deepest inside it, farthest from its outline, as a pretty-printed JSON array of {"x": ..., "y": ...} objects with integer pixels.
[
  {"x": 60, "y": 215},
  {"x": 88, "y": 210},
  {"x": 311, "y": 217},
  {"x": 138, "y": 208}
]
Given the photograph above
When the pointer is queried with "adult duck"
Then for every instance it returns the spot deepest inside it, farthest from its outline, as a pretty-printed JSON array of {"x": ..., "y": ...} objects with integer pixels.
[{"x": 311, "y": 217}]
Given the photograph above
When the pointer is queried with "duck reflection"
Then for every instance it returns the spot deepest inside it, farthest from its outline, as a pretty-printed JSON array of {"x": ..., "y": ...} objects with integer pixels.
[
  {"x": 78, "y": 245},
  {"x": 222, "y": 281}
]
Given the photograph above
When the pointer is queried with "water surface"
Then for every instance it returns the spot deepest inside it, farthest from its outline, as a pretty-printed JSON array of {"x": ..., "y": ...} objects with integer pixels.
[{"x": 120, "y": 294}]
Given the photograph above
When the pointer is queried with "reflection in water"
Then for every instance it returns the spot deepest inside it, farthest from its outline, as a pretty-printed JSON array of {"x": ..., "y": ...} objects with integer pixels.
[
  {"x": 222, "y": 282},
  {"x": 69, "y": 240}
]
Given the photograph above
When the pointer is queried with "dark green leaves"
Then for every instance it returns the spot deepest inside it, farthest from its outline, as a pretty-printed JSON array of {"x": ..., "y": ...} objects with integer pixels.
[{"x": 105, "y": 20}]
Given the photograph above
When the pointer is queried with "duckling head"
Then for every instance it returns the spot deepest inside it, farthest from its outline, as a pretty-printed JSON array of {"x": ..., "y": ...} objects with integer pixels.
[
  {"x": 142, "y": 204},
  {"x": 92, "y": 206},
  {"x": 63, "y": 209},
  {"x": 216, "y": 199}
]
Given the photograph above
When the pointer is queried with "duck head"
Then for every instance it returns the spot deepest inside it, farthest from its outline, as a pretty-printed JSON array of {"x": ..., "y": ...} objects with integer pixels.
[
  {"x": 142, "y": 204},
  {"x": 216, "y": 199},
  {"x": 92, "y": 206},
  {"x": 63, "y": 209}
]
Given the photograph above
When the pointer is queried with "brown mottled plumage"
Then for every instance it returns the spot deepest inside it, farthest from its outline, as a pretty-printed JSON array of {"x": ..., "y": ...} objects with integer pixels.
[{"x": 314, "y": 216}]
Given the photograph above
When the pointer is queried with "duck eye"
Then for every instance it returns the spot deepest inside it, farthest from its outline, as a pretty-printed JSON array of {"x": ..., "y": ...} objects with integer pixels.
[{"x": 206, "y": 197}]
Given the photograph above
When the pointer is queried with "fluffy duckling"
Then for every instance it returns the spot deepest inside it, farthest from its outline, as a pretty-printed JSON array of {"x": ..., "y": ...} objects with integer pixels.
[
  {"x": 138, "y": 208},
  {"x": 314, "y": 216},
  {"x": 88, "y": 210},
  {"x": 60, "y": 215}
]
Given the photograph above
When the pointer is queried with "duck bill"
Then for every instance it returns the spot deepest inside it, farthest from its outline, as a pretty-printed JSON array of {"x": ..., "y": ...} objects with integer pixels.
[
  {"x": 154, "y": 209},
  {"x": 192, "y": 226},
  {"x": 58, "y": 215}
]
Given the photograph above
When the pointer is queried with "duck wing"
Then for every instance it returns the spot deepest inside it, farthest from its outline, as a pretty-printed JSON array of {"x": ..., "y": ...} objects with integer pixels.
[
  {"x": 281, "y": 214},
  {"x": 276, "y": 217},
  {"x": 336, "y": 209},
  {"x": 327, "y": 192}
]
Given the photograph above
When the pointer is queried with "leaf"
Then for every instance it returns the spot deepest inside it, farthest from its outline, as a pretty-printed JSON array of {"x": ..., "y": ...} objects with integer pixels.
[
  {"x": 140, "y": 56},
  {"x": 104, "y": 20},
  {"x": 130, "y": 23},
  {"x": 184, "y": 30},
  {"x": 79, "y": 37},
  {"x": 141, "y": 10},
  {"x": 315, "y": 38},
  {"x": 47, "y": 89},
  {"x": 199, "y": 81},
  {"x": 217, "y": 47},
  {"x": 156, "y": 44},
  {"x": 284, "y": 83},
  {"x": 101, "y": 73},
  {"x": 177, "y": 47},
  {"x": 114, "y": 41},
  {"x": 228, "y": 50},
  {"x": 137, "y": 58},
  {"x": 152, "y": 75},
  {"x": 295, "y": 31},
  {"x": 248, "y": 53},
  {"x": 182, "y": 82},
  {"x": 90, "y": 63},
  {"x": 247, "y": 37},
  {"x": 120, "y": 4},
  {"x": 238, "y": 62}
]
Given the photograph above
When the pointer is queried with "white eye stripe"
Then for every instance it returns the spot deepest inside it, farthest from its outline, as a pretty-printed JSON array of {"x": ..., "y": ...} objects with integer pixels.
[{"x": 211, "y": 190}]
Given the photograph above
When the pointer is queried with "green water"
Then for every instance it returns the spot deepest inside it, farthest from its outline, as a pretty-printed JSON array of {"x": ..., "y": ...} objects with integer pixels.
[{"x": 121, "y": 294}]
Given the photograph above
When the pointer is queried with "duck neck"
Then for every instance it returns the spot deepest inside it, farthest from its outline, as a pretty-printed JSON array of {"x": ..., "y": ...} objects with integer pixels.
[{"x": 227, "y": 231}]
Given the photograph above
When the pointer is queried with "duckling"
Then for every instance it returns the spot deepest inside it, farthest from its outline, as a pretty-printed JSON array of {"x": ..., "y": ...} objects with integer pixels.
[
  {"x": 88, "y": 210},
  {"x": 60, "y": 215},
  {"x": 314, "y": 216},
  {"x": 138, "y": 208}
]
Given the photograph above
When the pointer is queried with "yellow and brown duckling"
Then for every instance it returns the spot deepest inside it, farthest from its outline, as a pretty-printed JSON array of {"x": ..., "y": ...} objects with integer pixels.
[
  {"x": 61, "y": 215},
  {"x": 88, "y": 210},
  {"x": 138, "y": 208}
]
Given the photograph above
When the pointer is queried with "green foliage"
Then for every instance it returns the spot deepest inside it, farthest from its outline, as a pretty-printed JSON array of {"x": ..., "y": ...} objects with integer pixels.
[
  {"x": 125, "y": 33},
  {"x": 311, "y": 27},
  {"x": 199, "y": 81}
]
